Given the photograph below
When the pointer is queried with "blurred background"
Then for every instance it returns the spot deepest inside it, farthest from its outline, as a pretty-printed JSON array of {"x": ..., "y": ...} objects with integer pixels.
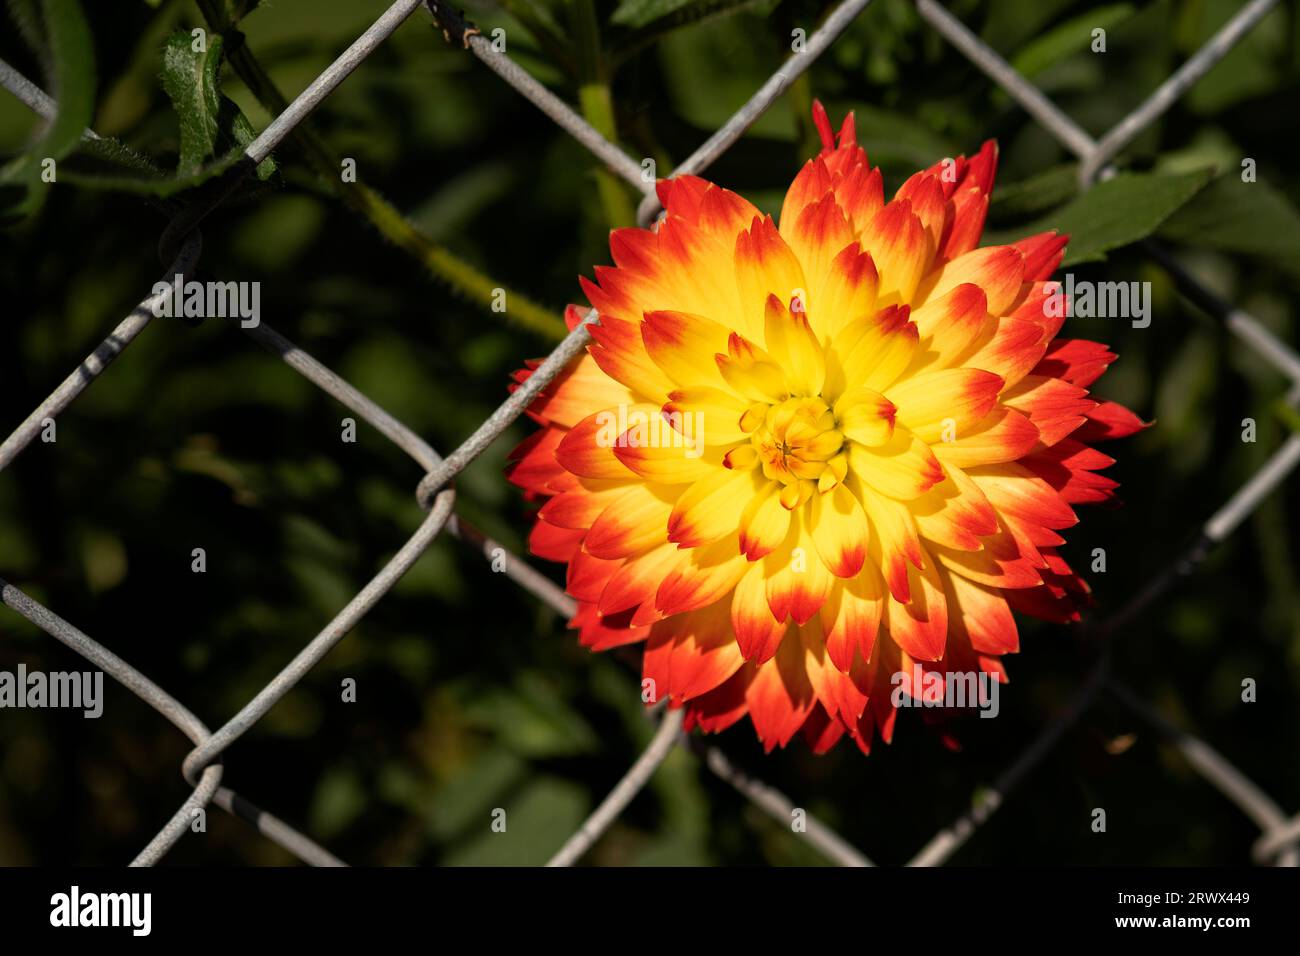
[{"x": 470, "y": 694}]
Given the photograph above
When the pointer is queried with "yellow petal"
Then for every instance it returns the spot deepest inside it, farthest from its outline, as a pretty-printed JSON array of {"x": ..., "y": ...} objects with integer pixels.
[
  {"x": 865, "y": 416},
  {"x": 794, "y": 347}
]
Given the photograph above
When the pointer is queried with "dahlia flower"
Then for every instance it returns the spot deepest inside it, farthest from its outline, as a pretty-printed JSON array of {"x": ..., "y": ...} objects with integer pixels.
[{"x": 804, "y": 463}]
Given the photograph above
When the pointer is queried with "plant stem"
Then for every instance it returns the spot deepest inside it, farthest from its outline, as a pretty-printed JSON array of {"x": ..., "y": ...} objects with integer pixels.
[{"x": 598, "y": 109}]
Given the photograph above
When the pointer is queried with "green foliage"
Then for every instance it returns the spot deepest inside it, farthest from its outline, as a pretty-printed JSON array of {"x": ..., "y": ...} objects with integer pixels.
[
  {"x": 1115, "y": 213},
  {"x": 1231, "y": 215},
  {"x": 70, "y": 54},
  {"x": 212, "y": 126},
  {"x": 1069, "y": 37}
]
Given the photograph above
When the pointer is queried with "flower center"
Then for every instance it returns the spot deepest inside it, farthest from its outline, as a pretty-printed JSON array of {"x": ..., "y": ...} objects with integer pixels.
[{"x": 799, "y": 445}]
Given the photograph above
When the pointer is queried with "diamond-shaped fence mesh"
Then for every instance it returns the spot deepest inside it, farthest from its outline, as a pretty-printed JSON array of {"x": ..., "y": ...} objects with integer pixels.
[{"x": 181, "y": 246}]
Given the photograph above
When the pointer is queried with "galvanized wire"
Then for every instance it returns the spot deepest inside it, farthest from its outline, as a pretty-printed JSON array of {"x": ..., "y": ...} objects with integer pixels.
[{"x": 1280, "y": 836}]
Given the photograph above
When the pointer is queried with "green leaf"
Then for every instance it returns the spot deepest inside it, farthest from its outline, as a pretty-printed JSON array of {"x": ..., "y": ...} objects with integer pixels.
[
  {"x": 211, "y": 124},
  {"x": 1042, "y": 191},
  {"x": 71, "y": 82},
  {"x": 532, "y": 718},
  {"x": 1071, "y": 36},
  {"x": 190, "y": 78},
  {"x": 647, "y": 20},
  {"x": 1235, "y": 216},
  {"x": 536, "y": 822},
  {"x": 1114, "y": 213},
  {"x": 637, "y": 13}
]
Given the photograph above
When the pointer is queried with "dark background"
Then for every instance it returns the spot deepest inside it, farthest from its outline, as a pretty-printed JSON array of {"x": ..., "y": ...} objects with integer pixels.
[{"x": 471, "y": 695}]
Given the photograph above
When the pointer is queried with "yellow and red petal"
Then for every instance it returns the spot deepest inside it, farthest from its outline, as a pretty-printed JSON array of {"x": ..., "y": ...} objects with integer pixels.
[
  {"x": 576, "y": 391},
  {"x": 955, "y": 513},
  {"x": 839, "y": 530},
  {"x": 683, "y": 346},
  {"x": 860, "y": 192},
  {"x": 900, "y": 248},
  {"x": 712, "y": 506},
  {"x": 1055, "y": 407},
  {"x": 894, "y": 544},
  {"x": 820, "y": 233},
  {"x": 1015, "y": 490},
  {"x": 941, "y": 405},
  {"x": 709, "y": 414},
  {"x": 1076, "y": 361},
  {"x": 764, "y": 265},
  {"x": 636, "y": 580},
  {"x": 618, "y": 349},
  {"x": 797, "y": 581},
  {"x": 665, "y": 459},
  {"x": 848, "y": 293},
  {"x": 1109, "y": 420},
  {"x": 780, "y": 697},
  {"x": 587, "y": 449},
  {"x": 850, "y": 618},
  {"x": 904, "y": 467},
  {"x": 757, "y": 632},
  {"x": 1043, "y": 254},
  {"x": 924, "y": 190},
  {"x": 633, "y": 522},
  {"x": 721, "y": 707},
  {"x": 1003, "y": 435},
  {"x": 875, "y": 352},
  {"x": 865, "y": 416},
  {"x": 949, "y": 324},
  {"x": 793, "y": 346},
  {"x": 969, "y": 208},
  {"x": 692, "y": 654},
  {"x": 810, "y": 185},
  {"x": 1069, "y": 466},
  {"x": 998, "y": 270},
  {"x": 706, "y": 577},
  {"x": 982, "y": 615},
  {"x": 764, "y": 522},
  {"x": 920, "y": 626}
]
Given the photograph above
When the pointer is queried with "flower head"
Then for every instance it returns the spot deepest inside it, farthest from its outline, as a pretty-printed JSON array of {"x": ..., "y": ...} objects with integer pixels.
[{"x": 806, "y": 463}]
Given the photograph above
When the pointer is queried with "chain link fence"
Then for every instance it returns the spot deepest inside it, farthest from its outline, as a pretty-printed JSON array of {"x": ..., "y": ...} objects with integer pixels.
[{"x": 181, "y": 246}]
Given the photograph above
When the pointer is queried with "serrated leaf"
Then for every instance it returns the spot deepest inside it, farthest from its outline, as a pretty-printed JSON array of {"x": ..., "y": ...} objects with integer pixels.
[
  {"x": 211, "y": 124},
  {"x": 190, "y": 79},
  {"x": 1114, "y": 213}
]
